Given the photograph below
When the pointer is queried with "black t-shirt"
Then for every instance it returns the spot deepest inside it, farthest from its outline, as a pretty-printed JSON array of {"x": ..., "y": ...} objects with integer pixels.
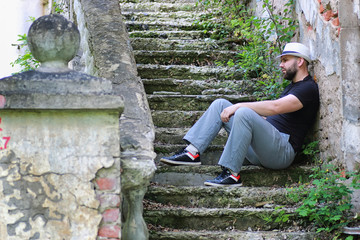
[{"x": 296, "y": 124}]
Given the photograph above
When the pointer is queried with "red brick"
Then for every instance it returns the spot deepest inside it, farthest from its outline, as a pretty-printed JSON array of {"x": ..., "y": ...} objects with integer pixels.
[
  {"x": 106, "y": 183},
  {"x": 321, "y": 8},
  {"x": 328, "y": 15},
  {"x": 109, "y": 231},
  {"x": 111, "y": 215},
  {"x": 2, "y": 101},
  {"x": 338, "y": 31},
  {"x": 336, "y": 22}
]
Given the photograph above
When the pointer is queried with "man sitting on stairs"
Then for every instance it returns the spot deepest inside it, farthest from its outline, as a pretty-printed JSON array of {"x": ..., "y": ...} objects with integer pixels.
[{"x": 265, "y": 133}]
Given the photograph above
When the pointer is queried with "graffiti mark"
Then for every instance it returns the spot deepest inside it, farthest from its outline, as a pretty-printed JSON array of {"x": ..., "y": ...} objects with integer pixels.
[{"x": 7, "y": 139}]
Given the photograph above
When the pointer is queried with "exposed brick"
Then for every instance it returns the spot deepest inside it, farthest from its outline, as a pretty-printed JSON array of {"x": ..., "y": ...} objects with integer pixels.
[
  {"x": 336, "y": 22},
  {"x": 328, "y": 15},
  {"x": 106, "y": 183},
  {"x": 321, "y": 9},
  {"x": 2, "y": 101},
  {"x": 109, "y": 231},
  {"x": 111, "y": 215}
]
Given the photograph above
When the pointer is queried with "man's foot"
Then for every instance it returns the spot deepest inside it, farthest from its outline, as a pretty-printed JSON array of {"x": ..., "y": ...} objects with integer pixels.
[
  {"x": 182, "y": 157},
  {"x": 225, "y": 179}
]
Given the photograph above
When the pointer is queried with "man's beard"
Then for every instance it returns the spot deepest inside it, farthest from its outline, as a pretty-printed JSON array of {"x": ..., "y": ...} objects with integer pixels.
[{"x": 290, "y": 73}]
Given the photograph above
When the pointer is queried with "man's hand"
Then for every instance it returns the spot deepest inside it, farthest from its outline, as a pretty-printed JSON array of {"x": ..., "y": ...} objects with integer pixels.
[{"x": 227, "y": 113}]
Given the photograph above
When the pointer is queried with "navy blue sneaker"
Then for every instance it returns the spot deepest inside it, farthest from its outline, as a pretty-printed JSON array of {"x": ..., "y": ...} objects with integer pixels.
[
  {"x": 225, "y": 179},
  {"x": 183, "y": 157}
]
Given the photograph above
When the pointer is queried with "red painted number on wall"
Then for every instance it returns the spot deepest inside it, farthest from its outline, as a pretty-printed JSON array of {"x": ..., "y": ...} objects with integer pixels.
[{"x": 7, "y": 139}]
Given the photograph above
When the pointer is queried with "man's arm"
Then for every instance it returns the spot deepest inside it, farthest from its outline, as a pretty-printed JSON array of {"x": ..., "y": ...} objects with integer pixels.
[{"x": 286, "y": 104}]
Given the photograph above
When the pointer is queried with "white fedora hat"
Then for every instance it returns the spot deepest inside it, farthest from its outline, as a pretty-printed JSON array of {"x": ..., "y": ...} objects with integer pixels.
[{"x": 298, "y": 50}]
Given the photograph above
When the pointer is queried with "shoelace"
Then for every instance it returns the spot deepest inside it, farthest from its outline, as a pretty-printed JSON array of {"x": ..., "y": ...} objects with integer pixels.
[
  {"x": 180, "y": 152},
  {"x": 224, "y": 173}
]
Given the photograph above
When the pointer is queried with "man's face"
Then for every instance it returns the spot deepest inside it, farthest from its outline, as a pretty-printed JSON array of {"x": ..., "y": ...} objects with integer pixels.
[{"x": 289, "y": 66}]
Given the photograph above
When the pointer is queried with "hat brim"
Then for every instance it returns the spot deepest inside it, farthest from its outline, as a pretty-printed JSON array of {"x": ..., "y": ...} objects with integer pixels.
[{"x": 296, "y": 54}]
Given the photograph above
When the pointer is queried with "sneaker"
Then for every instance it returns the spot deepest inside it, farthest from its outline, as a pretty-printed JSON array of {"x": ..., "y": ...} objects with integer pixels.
[
  {"x": 225, "y": 179},
  {"x": 183, "y": 157}
]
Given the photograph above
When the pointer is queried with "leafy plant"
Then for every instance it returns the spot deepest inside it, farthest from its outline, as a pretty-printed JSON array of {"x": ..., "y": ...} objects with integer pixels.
[
  {"x": 326, "y": 200},
  {"x": 279, "y": 216},
  {"x": 58, "y": 7},
  {"x": 260, "y": 40},
  {"x": 26, "y": 60}
]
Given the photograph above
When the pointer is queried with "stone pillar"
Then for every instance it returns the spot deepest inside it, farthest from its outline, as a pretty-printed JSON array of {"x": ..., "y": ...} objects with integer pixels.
[
  {"x": 59, "y": 128},
  {"x": 113, "y": 59}
]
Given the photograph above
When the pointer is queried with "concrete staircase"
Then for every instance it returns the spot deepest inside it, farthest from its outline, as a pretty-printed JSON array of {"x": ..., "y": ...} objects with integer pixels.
[{"x": 176, "y": 61}]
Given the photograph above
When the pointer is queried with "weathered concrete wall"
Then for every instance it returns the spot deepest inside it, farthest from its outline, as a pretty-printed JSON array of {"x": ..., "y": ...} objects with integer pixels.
[
  {"x": 319, "y": 29},
  {"x": 350, "y": 61},
  {"x": 56, "y": 136},
  {"x": 59, "y": 131},
  {"x": 331, "y": 29}
]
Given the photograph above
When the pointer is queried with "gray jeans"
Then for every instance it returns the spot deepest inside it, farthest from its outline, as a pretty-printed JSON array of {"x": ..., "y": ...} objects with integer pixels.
[{"x": 250, "y": 137}]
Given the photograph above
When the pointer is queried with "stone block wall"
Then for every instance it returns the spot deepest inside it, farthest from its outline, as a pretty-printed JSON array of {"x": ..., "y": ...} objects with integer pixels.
[{"x": 106, "y": 52}]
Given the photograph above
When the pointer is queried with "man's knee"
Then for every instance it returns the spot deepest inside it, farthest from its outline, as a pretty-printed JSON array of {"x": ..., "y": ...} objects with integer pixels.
[
  {"x": 245, "y": 113},
  {"x": 220, "y": 103}
]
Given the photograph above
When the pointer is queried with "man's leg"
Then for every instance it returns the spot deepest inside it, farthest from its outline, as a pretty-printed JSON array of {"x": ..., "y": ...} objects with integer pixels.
[
  {"x": 200, "y": 135},
  {"x": 250, "y": 131},
  {"x": 271, "y": 147},
  {"x": 208, "y": 126}
]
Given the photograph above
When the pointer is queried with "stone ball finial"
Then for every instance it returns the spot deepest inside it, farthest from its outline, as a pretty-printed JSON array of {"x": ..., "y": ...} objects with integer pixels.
[{"x": 53, "y": 41}]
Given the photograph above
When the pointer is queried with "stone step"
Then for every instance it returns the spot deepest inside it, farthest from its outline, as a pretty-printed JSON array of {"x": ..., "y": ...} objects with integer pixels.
[
  {"x": 252, "y": 176},
  {"x": 155, "y": 71},
  {"x": 159, "y": 6},
  {"x": 209, "y": 158},
  {"x": 183, "y": 57},
  {"x": 175, "y": 34},
  {"x": 158, "y": 1},
  {"x": 204, "y": 87},
  {"x": 161, "y": 24},
  {"x": 170, "y": 234},
  {"x": 191, "y": 102},
  {"x": 175, "y": 119},
  {"x": 212, "y": 219},
  {"x": 175, "y": 135},
  {"x": 166, "y": 16},
  {"x": 161, "y": 44},
  {"x": 217, "y": 197},
  {"x": 212, "y": 154}
]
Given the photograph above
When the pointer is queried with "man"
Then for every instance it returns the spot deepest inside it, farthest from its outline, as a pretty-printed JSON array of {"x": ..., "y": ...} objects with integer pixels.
[{"x": 266, "y": 133}]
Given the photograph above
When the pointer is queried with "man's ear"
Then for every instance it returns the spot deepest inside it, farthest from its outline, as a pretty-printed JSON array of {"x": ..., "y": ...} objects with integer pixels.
[{"x": 301, "y": 61}]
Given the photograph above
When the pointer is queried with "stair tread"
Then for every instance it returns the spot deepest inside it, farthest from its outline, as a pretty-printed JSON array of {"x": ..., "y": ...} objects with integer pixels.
[
  {"x": 159, "y": 6},
  {"x": 232, "y": 234},
  {"x": 195, "y": 211},
  {"x": 254, "y": 176},
  {"x": 164, "y": 15},
  {"x": 183, "y": 51}
]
